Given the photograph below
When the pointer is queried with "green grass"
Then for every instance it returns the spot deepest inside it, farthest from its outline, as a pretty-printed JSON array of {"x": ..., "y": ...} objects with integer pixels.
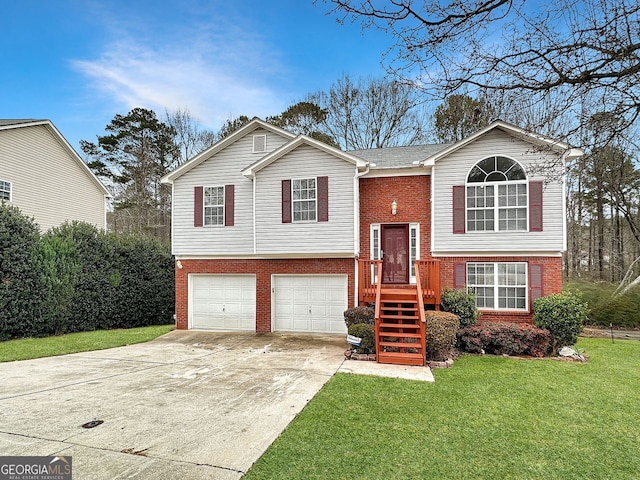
[
  {"x": 26, "y": 348},
  {"x": 486, "y": 417}
]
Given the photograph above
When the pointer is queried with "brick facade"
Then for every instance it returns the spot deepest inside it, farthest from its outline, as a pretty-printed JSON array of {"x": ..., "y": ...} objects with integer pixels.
[
  {"x": 551, "y": 281},
  {"x": 412, "y": 194},
  {"x": 262, "y": 269}
]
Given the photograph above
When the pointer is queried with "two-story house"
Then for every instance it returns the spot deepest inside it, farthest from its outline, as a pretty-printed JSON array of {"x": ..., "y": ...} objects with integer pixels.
[
  {"x": 41, "y": 174},
  {"x": 276, "y": 232}
]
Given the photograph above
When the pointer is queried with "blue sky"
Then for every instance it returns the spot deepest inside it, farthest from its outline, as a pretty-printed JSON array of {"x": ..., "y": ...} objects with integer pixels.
[{"x": 81, "y": 62}]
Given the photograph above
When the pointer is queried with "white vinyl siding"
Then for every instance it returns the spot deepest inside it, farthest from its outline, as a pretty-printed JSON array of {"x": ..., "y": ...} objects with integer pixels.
[
  {"x": 223, "y": 169},
  {"x": 335, "y": 237},
  {"x": 498, "y": 286},
  {"x": 453, "y": 170},
  {"x": 48, "y": 183}
]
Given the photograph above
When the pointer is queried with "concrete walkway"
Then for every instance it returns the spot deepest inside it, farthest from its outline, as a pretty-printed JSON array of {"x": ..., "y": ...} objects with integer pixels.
[{"x": 188, "y": 405}]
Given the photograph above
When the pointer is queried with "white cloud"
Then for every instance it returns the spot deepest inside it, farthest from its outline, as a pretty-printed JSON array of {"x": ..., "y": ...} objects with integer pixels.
[{"x": 214, "y": 78}]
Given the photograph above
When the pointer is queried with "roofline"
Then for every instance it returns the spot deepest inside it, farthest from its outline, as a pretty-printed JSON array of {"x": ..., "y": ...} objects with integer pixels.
[
  {"x": 251, "y": 170},
  {"x": 65, "y": 144},
  {"x": 254, "y": 124},
  {"x": 569, "y": 152}
]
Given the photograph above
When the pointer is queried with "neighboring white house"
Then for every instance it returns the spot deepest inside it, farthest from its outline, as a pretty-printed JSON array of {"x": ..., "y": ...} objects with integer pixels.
[{"x": 42, "y": 175}]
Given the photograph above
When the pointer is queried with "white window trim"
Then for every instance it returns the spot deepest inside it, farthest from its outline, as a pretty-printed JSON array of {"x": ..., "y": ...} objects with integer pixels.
[
  {"x": 375, "y": 231},
  {"x": 10, "y": 191},
  {"x": 263, "y": 143},
  {"x": 204, "y": 207},
  {"x": 293, "y": 219},
  {"x": 496, "y": 286}
]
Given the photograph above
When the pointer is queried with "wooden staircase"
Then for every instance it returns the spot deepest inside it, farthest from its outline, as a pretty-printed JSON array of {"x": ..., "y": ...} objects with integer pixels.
[{"x": 399, "y": 328}]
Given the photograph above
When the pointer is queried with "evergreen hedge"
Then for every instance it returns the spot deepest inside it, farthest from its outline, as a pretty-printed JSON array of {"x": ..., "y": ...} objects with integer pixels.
[{"x": 77, "y": 278}]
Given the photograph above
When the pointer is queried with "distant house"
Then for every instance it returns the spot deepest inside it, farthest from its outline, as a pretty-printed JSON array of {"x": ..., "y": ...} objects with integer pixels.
[
  {"x": 276, "y": 232},
  {"x": 41, "y": 174}
]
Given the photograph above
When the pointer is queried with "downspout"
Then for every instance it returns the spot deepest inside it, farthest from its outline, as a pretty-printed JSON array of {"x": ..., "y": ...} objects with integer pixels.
[{"x": 356, "y": 216}]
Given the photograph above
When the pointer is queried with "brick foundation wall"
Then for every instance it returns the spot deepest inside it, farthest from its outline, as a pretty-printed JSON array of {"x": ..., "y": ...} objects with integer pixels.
[
  {"x": 412, "y": 194},
  {"x": 551, "y": 282},
  {"x": 262, "y": 269}
]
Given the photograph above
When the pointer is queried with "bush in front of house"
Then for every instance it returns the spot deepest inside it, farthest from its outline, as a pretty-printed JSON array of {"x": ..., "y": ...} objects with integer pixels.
[
  {"x": 361, "y": 314},
  {"x": 440, "y": 331},
  {"x": 563, "y": 315},
  {"x": 461, "y": 303},
  {"x": 77, "y": 278},
  {"x": 20, "y": 274},
  {"x": 367, "y": 333},
  {"x": 504, "y": 339}
]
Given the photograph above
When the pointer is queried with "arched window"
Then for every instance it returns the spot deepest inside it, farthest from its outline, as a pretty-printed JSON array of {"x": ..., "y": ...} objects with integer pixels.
[{"x": 496, "y": 196}]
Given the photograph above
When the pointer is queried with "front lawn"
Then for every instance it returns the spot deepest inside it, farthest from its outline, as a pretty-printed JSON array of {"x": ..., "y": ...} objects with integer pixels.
[
  {"x": 26, "y": 348},
  {"x": 487, "y": 417}
]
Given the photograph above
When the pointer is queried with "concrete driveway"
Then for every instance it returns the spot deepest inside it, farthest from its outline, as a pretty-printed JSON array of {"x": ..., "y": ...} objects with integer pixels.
[{"x": 188, "y": 405}]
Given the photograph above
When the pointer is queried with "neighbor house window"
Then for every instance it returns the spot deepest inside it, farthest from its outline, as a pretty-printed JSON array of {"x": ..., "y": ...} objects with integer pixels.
[
  {"x": 304, "y": 200},
  {"x": 214, "y": 205},
  {"x": 498, "y": 286},
  {"x": 496, "y": 196},
  {"x": 5, "y": 191}
]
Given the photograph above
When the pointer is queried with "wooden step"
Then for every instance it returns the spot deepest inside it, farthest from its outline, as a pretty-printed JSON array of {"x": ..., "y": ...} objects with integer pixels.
[
  {"x": 413, "y": 318},
  {"x": 414, "y": 326},
  {"x": 401, "y": 358},
  {"x": 415, "y": 345},
  {"x": 386, "y": 334}
]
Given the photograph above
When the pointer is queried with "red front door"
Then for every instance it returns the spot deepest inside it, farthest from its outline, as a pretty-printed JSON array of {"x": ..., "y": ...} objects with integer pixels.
[{"x": 395, "y": 254}]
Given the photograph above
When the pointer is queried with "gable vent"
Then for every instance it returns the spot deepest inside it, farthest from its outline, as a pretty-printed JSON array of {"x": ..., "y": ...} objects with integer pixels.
[{"x": 259, "y": 143}]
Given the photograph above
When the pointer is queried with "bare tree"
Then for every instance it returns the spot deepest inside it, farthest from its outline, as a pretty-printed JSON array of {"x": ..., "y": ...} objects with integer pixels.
[
  {"x": 576, "y": 51},
  {"x": 190, "y": 138},
  {"x": 371, "y": 113}
]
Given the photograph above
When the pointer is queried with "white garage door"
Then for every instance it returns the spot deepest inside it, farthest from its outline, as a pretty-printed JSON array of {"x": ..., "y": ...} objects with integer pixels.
[
  {"x": 222, "y": 302},
  {"x": 309, "y": 303}
]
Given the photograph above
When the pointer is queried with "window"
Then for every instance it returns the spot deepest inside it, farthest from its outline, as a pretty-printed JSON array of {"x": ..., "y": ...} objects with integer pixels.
[
  {"x": 496, "y": 196},
  {"x": 304, "y": 200},
  {"x": 214, "y": 205},
  {"x": 498, "y": 286},
  {"x": 5, "y": 191}
]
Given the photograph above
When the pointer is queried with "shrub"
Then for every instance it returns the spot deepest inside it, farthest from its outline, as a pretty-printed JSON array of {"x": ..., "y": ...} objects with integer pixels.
[
  {"x": 461, "y": 303},
  {"x": 504, "y": 338},
  {"x": 621, "y": 311},
  {"x": 441, "y": 328},
  {"x": 563, "y": 314},
  {"x": 367, "y": 334},
  {"x": 20, "y": 274},
  {"x": 360, "y": 314}
]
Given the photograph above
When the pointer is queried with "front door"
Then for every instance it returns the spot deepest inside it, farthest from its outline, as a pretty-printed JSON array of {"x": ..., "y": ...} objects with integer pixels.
[{"x": 395, "y": 254}]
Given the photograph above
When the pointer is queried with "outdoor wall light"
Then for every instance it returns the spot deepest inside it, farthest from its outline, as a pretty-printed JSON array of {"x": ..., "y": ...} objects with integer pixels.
[
  {"x": 394, "y": 207},
  {"x": 179, "y": 265}
]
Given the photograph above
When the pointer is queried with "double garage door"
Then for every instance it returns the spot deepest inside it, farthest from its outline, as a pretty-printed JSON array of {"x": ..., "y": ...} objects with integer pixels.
[{"x": 299, "y": 303}]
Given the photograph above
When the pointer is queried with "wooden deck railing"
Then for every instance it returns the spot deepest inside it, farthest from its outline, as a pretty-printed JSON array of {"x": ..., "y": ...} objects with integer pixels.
[
  {"x": 369, "y": 271},
  {"x": 428, "y": 270},
  {"x": 421, "y": 314},
  {"x": 428, "y": 276}
]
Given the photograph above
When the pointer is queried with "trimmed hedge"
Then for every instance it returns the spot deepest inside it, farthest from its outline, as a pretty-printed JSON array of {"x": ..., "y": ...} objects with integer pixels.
[
  {"x": 504, "y": 339},
  {"x": 362, "y": 314},
  {"x": 461, "y": 303},
  {"x": 563, "y": 314},
  {"x": 76, "y": 278},
  {"x": 367, "y": 333},
  {"x": 440, "y": 328}
]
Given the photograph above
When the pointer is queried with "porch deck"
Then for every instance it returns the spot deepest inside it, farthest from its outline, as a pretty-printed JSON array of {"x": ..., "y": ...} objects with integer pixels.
[{"x": 429, "y": 271}]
